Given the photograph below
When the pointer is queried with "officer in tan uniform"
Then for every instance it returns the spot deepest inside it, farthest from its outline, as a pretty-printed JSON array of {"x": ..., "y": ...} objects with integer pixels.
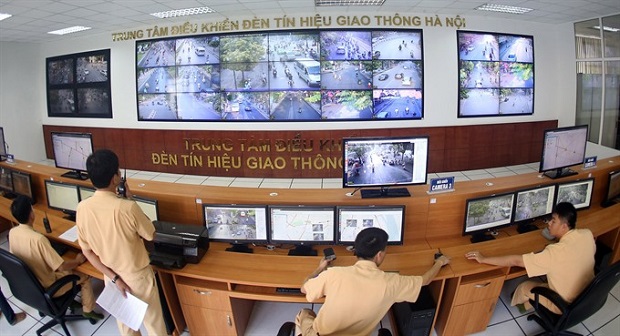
[
  {"x": 568, "y": 264},
  {"x": 111, "y": 230},
  {"x": 36, "y": 251}
]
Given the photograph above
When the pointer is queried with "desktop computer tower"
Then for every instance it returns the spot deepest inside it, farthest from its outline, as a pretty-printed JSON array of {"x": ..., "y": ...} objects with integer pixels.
[{"x": 415, "y": 318}]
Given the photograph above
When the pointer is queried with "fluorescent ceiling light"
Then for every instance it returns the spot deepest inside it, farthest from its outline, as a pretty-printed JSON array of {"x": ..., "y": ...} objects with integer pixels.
[
  {"x": 348, "y": 2},
  {"x": 183, "y": 12},
  {"x": 4, "y": 16},
  {"x": 69, "y": 30},
  {"x": 503, "y": 8},
  {"x": 609, "y": 29}
]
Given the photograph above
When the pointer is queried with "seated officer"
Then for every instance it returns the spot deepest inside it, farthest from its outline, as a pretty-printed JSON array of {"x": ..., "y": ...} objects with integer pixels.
[
  {"x": 36, "y": 251},
  {"x": 357, "y": 297}
]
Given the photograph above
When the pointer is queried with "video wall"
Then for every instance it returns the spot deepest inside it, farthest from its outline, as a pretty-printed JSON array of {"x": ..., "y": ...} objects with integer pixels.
[
  {"x": 496, "y": 74},
  {"x": 302, "y": 75}
]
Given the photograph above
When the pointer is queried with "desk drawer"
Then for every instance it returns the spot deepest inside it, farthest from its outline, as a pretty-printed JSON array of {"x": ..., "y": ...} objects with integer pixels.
[
  {"x": 203, "y": 297},
  {"x": 479, "y": 289}
]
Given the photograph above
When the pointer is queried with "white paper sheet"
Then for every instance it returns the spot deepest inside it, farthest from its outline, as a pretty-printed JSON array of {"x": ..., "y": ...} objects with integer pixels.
[
  {"x": 70, "y": 235},
  {"x": 129, "y": 310}
]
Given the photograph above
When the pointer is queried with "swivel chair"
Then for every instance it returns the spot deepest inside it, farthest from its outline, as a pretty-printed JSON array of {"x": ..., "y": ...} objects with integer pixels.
[
  {"x": 27, "y": 288},
  {"x": 585, "y": 305}
]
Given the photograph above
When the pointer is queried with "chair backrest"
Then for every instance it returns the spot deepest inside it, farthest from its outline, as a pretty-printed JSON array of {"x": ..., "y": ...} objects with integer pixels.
[
  {"x": 23, "y": 283},
  {"x": 594, "y": 296}
]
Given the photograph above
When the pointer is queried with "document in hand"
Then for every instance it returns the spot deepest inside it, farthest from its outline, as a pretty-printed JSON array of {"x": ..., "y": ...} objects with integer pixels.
[{"x": 129, "y": 310}]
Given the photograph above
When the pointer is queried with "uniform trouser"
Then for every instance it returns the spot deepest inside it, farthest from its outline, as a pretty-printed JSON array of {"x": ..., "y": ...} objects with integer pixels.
[
  {"x": 523, "y": 295},
  {"x": 88, "y": 297},
  {"x": 144, "y": 287},
  {"x": 303, "y": 323},
  {"x": 6, "y": 309}
]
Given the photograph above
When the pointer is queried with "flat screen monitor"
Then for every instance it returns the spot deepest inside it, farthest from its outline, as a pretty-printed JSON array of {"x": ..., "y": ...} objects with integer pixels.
[
  {"x": 302, "y": 226},
  {"x": 3, "y": 150},
  {"x": 353, "y": 219},
  {"x": 6, "y": 181},
  {"x": 148, "y": 206},
  {"x": 612, "y": 195},
  {"x": 562, "y": 148},
  {"x": 531, "y": 204},
  {"x": 578, "y": 193},
  {"x": 487, "y": 214},
  {"x": 22, "y": 184},
  {"x": 384, "y": 163},
  {"x": 62, "y": 196},
  {"x": 86, "y": 192},
  {"x": 71, "y": 151},
  {"x": 237, "y": 224}
]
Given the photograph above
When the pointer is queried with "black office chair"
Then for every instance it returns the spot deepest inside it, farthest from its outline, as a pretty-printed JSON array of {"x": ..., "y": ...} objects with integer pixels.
[
  {"x": 288, "y": 329},
  {"x": 585, "y": 305},
  {"x": 27, "y": 288}
]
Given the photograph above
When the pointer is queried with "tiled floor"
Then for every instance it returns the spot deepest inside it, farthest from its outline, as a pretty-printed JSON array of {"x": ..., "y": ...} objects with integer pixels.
[{"x": 268, "y": 316}]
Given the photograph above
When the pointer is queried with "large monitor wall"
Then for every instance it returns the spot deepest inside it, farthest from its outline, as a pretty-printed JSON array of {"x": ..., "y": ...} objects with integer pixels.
[{"x": 302, "y": 75}]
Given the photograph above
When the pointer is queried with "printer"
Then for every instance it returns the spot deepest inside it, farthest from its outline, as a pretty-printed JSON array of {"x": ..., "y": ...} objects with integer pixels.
[{"x": 181, "y": 240}]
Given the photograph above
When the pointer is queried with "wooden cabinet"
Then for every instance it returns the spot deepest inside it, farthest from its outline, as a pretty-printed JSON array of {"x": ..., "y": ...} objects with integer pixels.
[{"x": 469, "y": 303}]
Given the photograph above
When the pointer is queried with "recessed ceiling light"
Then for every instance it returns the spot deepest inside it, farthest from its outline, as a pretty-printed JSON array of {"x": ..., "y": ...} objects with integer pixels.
[
  {"x": 503, "y": 8},
  {"x": 609, "y": 29},
  {"x": 4, "y": 16},
  {"x": 183, "y": 12},
  {"x": 69, "y": 30},
  {"x": 348, "y": 2}
]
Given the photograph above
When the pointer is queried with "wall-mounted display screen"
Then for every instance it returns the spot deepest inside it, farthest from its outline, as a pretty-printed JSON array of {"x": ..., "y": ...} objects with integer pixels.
[
  {"x": 303, "y": 75},
  {"x": 496, "y": 74}
]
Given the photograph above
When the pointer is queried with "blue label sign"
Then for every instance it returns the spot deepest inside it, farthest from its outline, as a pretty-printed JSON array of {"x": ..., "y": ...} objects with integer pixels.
[
  {"x": 442, "y": 184},
  {"x": 589, "y": 162}
]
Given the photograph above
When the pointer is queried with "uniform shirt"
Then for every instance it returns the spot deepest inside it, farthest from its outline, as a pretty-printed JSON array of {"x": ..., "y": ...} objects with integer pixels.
[
  {"x": 568, "y": 264},
  {"x": 113, "y": 228},
  {"x": 36, "y": 251},
  {"x": 357, "y": 297}
]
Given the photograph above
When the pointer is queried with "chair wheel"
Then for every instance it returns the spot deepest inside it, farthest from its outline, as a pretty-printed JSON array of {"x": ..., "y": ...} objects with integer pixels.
[
  {"x": 92, "y": 321},
  {"x": 41, "y": 314}
]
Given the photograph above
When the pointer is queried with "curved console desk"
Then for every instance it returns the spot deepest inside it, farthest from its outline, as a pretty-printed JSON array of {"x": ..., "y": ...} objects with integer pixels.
[{"x": 218, "y": 293}]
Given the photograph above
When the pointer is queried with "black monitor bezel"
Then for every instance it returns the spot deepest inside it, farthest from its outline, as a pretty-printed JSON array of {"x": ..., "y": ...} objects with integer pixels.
[
  {"x": 57, "y": 183},
  {"x": 489, "y": 228},
  {"x": 530, "y": 189},
  {"x": 28, "y": 178},
  {"x": 9, "y": 174},
  {"x": 378, "y": 208},
  {"x": 589, "y": 181},
  {"x": 237, "y": 206},
  {"x": 3, "y": 150},
  {"x": 385, "y": 140},
  {"x": 270, "y": 209},
  {"x": 546, "y": 133},
  {"x": 81, "y": 187},
  {"x": 151, "y": 201},
  {"x": 89, "y": 136},
  {"x": 608, "y": 199}
]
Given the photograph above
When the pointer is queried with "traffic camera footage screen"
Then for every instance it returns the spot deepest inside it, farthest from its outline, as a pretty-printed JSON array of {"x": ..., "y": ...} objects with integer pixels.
[
  {"x": 496, "y": 74},
  {"x": 303, "y": 75}
]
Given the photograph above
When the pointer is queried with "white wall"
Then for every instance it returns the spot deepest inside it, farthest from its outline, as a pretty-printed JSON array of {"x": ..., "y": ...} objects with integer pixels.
[{"x": 554, "y": 84}]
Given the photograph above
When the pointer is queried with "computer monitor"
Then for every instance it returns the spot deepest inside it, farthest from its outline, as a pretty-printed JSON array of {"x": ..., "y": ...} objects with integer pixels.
[
  {"x": 302, "y": 226},
  {"x": 562, "y": 148},
  {"x": 578, "y": 193},
  {"x": 487, "y": 214},
  {"x": 62, "y": 196},
  {"x": 237, "y": 224},
  {"x": 85, "y": 192},
  {"x": 384, "y": 162},
  {"x": 612, "y": 196},
  {"x": 353, "y": 219},
  {"x": 22, "y": 184},
  {"x": 3, "y": 150},
  {"x": 148, "y": 206},
  {"x": 6, "y": 182},
  {"x": 531, "y": 204},
  {"x": 71, "y": 151}
]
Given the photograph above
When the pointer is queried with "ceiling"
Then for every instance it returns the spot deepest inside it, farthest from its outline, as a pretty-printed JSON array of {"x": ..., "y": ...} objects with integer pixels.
[{"x": 32, "y": 19}]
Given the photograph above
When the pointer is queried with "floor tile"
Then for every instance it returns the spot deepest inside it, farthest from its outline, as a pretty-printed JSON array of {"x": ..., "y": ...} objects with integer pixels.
[
  {"x": 300, "y": 185},
  {"x": 503, "y": 173},
  {"x": 19, "y": 329},
  {"x": 609, "y": 311},
  {"x": 480, "y": 177},
  {"x": 616, "y": 291},
  {"x": 245, "y": 184},
  {"x": 277, "y": 180},
  {"x": 506, "y": 328},
  {"x": 461, "y": 178},
  {"x": 500, "y": 314},
  {"x": 275, "y": 185},
  {"x": 169, "y": 179},
  {"x": 191, "y": 179},
  {"x": 610, "y": 329},
  {"x": 332, "y": 185},
  {"x": 268, "y": 317},
  {"x": 496, "y": 170},
  {"x": 450, "y": 174},
  {"x": 217, "y": 183}
]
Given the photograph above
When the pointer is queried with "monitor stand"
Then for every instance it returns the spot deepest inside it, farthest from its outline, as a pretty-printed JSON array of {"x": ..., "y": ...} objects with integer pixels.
[
  {"x": 69, "y": 215},
  {"x": 480, "y": 237},
  {"x": 526, "y": 227},
  {"x": 9, "y": 195},
  {"x": 302, "y": 250},
  {"x": 242, "y": 248},
  {"x": 385, "y": 192},
  {"x": 75, "y": 174},
  {"x": 558, "y": 173}
]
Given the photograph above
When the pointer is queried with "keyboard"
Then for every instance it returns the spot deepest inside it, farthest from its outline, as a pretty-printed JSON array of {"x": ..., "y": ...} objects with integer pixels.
[
  {"x": 60, "y": 248},
  {"x": 286, "y": 290}
]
